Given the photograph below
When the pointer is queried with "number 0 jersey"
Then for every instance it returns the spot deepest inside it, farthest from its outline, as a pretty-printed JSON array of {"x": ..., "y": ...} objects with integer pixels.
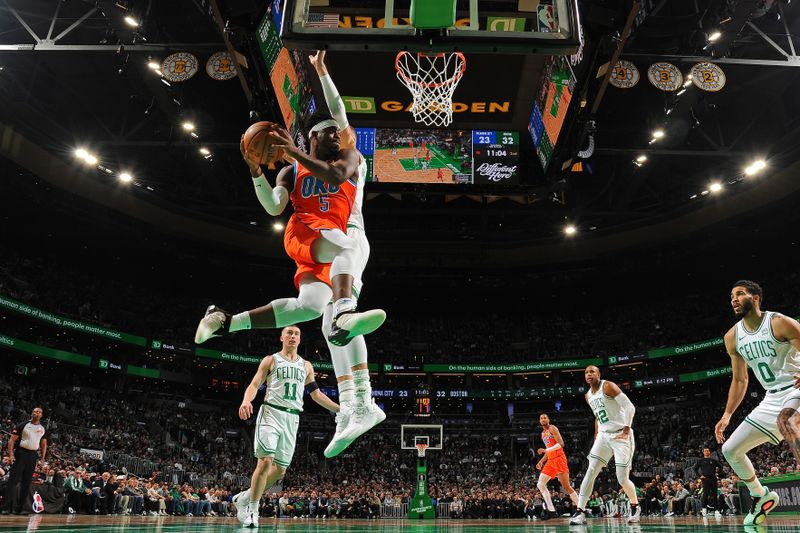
[
  {"x": 320, "y": 205},
  {"x": 605, "y": 409},
  {"x": 286, "y": 382},
  {"x": 772, "y": 361}
]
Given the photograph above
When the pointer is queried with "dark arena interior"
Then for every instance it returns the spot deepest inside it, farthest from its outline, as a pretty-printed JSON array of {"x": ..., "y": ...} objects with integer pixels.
[{"x": 585, "y": 209}]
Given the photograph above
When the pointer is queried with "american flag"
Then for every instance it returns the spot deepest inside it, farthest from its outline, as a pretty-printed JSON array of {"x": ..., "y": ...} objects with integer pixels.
[{"x": 322, "y": 20}]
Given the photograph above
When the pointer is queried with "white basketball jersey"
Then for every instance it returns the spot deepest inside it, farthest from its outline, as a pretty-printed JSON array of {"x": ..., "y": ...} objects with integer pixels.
[
  {"x": 773, "y": 362},
  {"x": 605, "y": 409},
  {"x": 286, "y": 382},
  {"x": 356, "y": 216}
]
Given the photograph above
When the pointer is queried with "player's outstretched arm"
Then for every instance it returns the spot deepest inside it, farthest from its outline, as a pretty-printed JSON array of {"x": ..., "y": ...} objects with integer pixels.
[
  {"x": 334, "y": 100},
  {"x": 738, "y": 385},
  {"x": 317, "y": 395},
  {"x": 246, "y": 409}
]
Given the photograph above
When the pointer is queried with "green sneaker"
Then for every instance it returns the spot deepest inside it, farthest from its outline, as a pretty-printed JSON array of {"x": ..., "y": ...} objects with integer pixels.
[{"x": 761, "y": 508}]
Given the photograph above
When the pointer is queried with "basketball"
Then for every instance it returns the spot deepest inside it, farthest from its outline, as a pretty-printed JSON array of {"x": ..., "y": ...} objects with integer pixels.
[{"x": 257, "y": 138}]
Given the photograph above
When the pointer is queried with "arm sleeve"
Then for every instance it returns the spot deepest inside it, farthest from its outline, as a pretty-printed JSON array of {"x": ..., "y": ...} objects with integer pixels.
[
  {"x": 553, "y": 448},
  {"x": 272, "y": 200},
  {"x": 334, "y": 101},
  {"x": 628, "y": 410}
]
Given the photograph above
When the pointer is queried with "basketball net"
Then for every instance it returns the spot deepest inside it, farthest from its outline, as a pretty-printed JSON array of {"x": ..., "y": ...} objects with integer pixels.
[
  {"x": 421, "y": 449},
  {"x": 432, "y": 79}
]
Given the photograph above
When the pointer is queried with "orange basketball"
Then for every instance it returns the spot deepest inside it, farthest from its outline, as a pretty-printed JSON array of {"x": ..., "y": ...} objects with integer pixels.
[{"x": 256, "y": 139}]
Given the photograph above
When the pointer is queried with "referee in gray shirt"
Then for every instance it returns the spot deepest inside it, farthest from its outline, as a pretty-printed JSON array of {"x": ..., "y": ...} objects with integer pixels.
[{"x": 23, "y": 449}]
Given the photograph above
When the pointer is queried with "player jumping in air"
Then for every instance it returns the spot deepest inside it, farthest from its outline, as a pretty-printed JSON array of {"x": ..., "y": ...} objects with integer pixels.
[
  {"x": 286, "y": 375},
  {"x": 768, "y": 343},
  {"x": 322, "y": 187},
  {"x": 358, "y": 411},
  {"x": 553, "y": 464},
  {"x": 613, "y": 436}
]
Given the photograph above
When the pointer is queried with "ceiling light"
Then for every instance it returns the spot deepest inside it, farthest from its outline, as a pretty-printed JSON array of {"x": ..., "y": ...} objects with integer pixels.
[
  {"x": 277, "y": 226},
  {"x": 641, "y": 159},
  {"x": 658, "y": 134},
  {"x": 715, "y": 187},
  {"x": 704, "y": 192},
  {"x": 130, "y": 21},
  {"x": 165, "y": 82},
  {"x": 716, "y": 34},
  {"x": 91, "y": 159},
  {"x": 153, "y": 65},
  {"x": 570, "y": 229},
  {"x": 188, "y": 126},
  {"x": 205, "y": 151},
  {"x": 755, "y": 167},
  {"x": 125, "y": 177},
  {"x": 692, "y": 197},
  {"x": 194, "y": 135},
  {"x": 688, "y": 81},
  {"x": 81, "y": 153}
]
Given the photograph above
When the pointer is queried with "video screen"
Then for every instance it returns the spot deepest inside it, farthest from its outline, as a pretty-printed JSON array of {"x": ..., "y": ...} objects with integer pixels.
[{"x": 422, "y": 156}]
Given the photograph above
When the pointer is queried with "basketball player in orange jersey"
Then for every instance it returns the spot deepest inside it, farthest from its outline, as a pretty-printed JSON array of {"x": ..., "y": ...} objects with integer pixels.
[
  {"x": 322, "y": 186},
  {"x": 553, "y": 464}
]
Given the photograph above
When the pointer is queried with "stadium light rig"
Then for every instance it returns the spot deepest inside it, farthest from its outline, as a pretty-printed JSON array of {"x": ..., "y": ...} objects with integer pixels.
[
  {"x": 755, "y": 167},
  {"x": 125, "y": 177},
  {"x": 132, "y": 22},
  {"x": 205, "y": 151},
  {"x": 714, "y": 35},
  {"x": 715, "y": 187},
  {"x": 188, "y": 126},
  {"x": 570, "y": 230}
]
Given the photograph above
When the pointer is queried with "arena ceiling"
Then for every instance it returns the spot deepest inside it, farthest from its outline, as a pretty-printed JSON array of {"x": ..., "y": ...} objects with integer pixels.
[{"x": 75, "y": 74}]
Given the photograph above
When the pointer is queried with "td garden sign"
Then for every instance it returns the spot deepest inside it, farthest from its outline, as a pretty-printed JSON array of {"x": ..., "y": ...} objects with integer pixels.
[{"x": 368, "y": 105}]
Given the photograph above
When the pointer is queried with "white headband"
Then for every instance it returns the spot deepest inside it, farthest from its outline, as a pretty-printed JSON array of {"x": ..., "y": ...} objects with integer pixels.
[{"x": 323, "y": 125}]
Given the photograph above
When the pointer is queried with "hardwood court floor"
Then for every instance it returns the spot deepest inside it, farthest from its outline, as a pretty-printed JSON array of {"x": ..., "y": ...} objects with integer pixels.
[{"x": 113, "y": 524}]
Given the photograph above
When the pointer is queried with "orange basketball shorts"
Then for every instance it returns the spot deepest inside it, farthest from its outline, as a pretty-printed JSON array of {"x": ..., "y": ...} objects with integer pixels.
[
  {"x": 297, "y": 241},
  {"x": 556, "y": 465}
]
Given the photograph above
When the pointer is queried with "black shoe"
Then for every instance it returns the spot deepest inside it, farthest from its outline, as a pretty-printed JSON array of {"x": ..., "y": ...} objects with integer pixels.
[{"x": 547, "y": 515}]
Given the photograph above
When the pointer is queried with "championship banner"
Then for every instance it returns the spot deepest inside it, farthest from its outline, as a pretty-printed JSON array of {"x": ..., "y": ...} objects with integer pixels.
[
  {"x": 512, "y": 368},
  {"x": 24, "y": 309},
  {"x": 93, "y": 454},
  {"x": 787, "y": 487},
  {"x": 665, "y": 76}
]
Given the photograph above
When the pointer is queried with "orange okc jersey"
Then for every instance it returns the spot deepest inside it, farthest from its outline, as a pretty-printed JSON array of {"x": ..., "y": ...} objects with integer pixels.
[
  {"x": 549, "y": 441},
  {"x": 320, "y": 205}
]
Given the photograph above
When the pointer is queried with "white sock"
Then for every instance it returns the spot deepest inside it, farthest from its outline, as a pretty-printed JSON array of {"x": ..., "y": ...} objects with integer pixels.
[
  {"x": 240, "y": 321},
  {"x": 574, "y": 497},
  {"x": 756, "y": 488},
  {"x": 362, "y": 384},
  {"x": 343, "y": 304},
  {"x": 346, "y": 389}
]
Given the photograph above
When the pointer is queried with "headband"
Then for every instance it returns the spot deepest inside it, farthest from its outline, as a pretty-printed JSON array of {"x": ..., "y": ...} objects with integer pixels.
[{"x": 323, "y": 125}]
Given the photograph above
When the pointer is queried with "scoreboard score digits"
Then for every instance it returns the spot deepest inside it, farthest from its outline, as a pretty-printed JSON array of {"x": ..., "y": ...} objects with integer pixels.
[{"x": 495, "y": 156}]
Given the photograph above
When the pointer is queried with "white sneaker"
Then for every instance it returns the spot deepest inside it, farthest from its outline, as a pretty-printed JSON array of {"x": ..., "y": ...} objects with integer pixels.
[
  {"x": 717, "y": 514},
  {"x": 670, "y": 514},
  {"x": 365, "y": 416},
  {"x": 350, "y": 324},
  {"x": 252, "y": 509},
  {"x": 634, "y": 518},
  {"x": 703, "y": 511},
  {"x": 337, "y": 444},
  {"x": 213, "y": 324},
  {"x": 242, "y": 501},
  {"x": 579, "y": 518}
]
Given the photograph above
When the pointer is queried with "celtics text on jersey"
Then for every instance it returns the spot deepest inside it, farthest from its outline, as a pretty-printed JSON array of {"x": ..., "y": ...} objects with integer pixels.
[{"x": 773, "y": 362}]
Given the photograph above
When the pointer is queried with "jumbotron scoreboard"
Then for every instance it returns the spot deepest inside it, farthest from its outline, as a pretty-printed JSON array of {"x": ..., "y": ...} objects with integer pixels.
[{"x": 495, "y": 156}]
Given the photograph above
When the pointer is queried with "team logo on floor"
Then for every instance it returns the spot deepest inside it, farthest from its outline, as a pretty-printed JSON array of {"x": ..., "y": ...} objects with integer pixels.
[
  {"x": 708, "y": 77},
  {"x": 665, "y": 76},
  {"x": 221, "y": 66},
  {"x": 625, "y": 75},
  {"x": 179, "y": 66}
]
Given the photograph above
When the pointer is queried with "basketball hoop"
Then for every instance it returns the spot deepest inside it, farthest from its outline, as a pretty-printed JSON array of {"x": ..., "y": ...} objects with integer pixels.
[
  {"x": 421, "y": 447},
  {"x": 432, "y": 79}
]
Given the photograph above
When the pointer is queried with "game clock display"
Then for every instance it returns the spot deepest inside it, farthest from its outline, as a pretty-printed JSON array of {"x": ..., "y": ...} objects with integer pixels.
[{"x": 495, "y": 156}]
